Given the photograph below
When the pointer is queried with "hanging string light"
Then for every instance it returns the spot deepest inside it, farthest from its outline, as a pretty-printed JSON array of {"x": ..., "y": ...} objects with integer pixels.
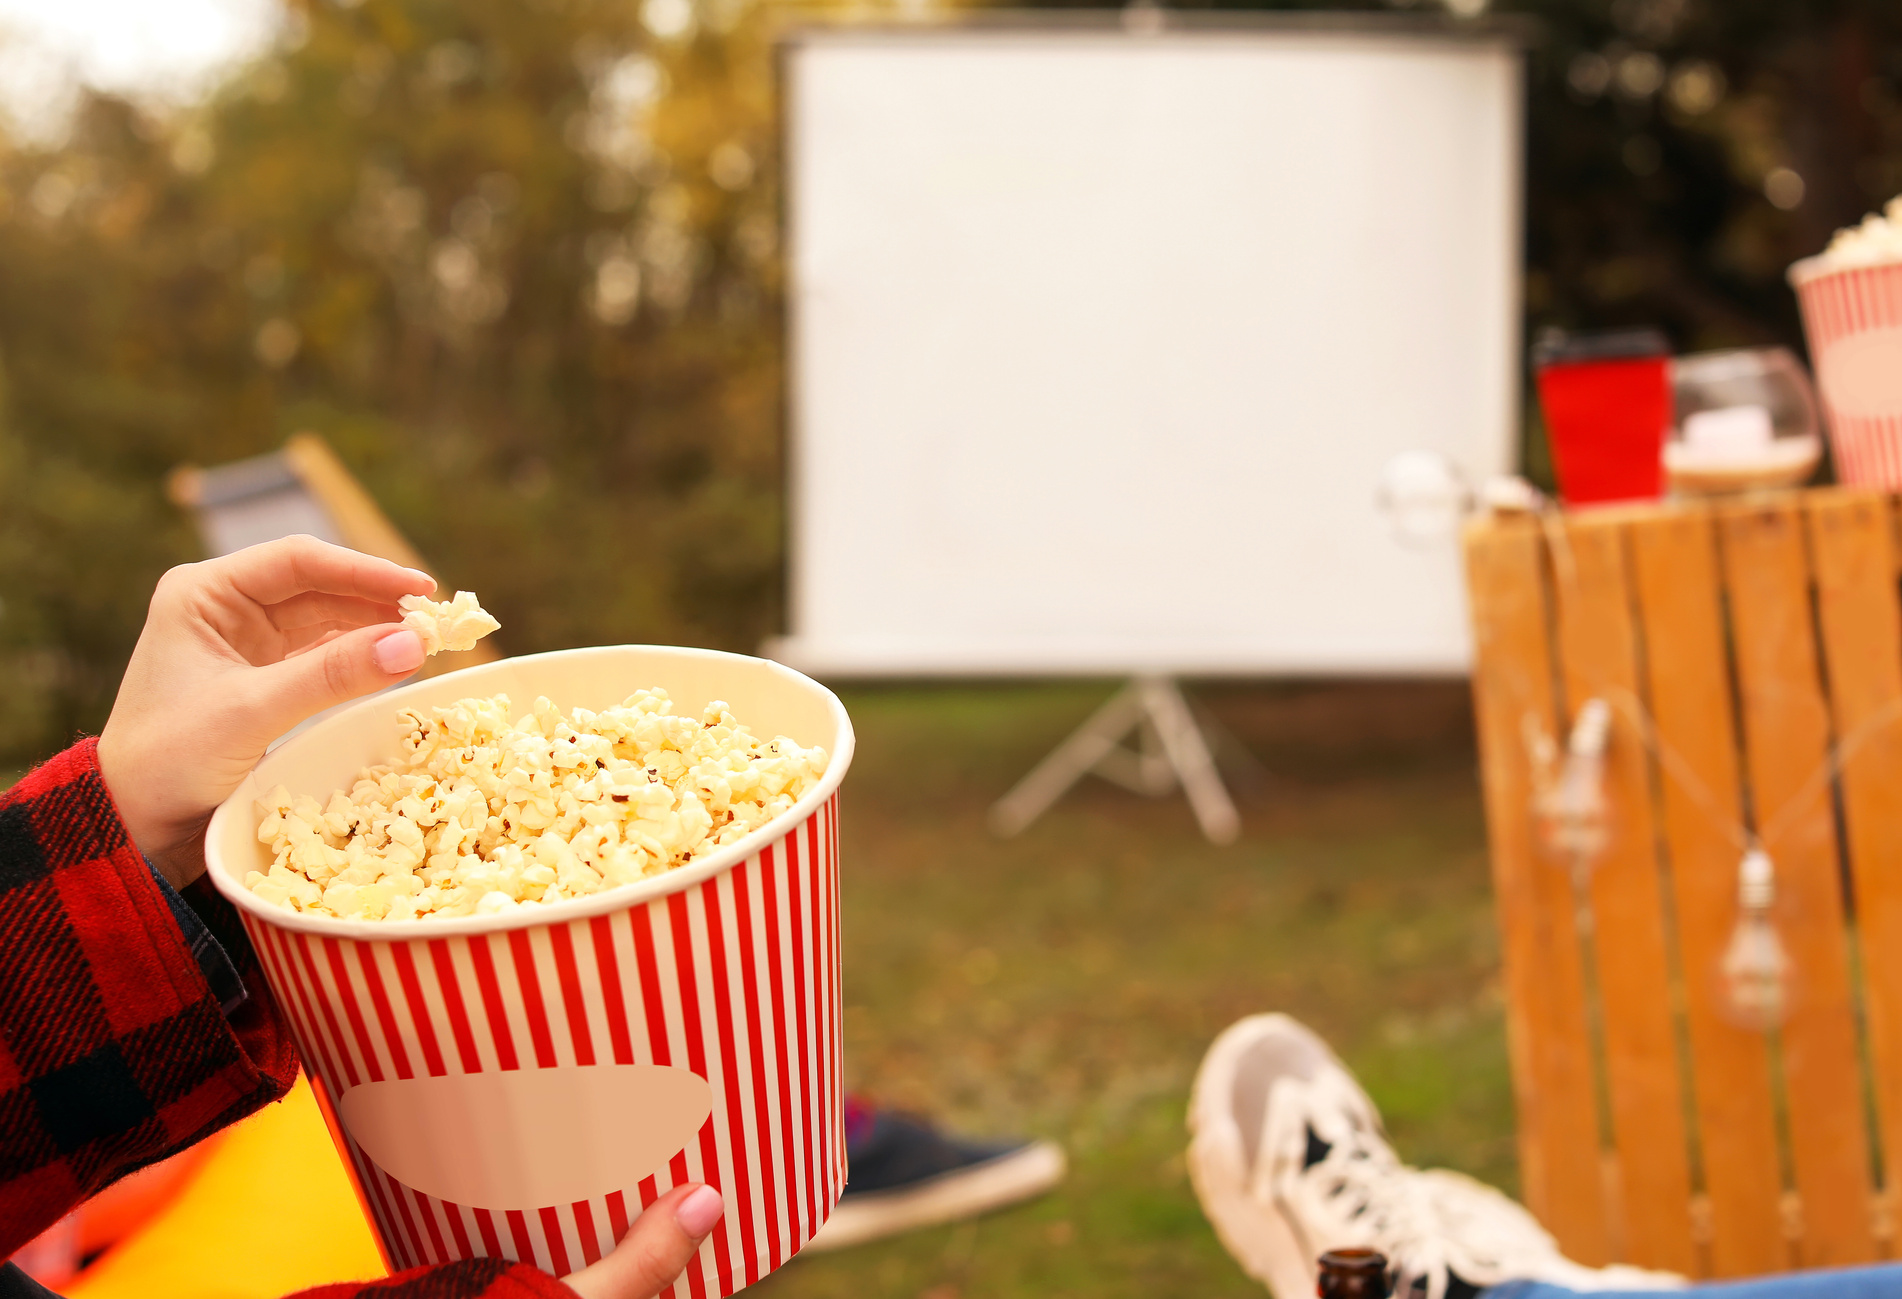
[
  {"x": 1568, "y": 801},
  {"x": 1756, "y": 976},
  {"x": 1425, "y": 495},
  {"x": 1756, "y": 971}
]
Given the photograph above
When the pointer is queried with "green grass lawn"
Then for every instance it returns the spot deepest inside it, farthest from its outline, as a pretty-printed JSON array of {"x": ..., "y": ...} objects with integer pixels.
[{"x": 1064, "y": 984}]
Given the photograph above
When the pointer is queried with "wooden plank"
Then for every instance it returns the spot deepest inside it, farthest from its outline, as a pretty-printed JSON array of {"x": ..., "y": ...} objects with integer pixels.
[
  {"x": 1598, "y": 654},
  {"x": 359, "y": 519},
  {"x": 1675, "y": 572},
  {"x": 1547, "y": 1032},
  {"x": 1786, "y": 741},
  {"x": 1853, "y": 555}
]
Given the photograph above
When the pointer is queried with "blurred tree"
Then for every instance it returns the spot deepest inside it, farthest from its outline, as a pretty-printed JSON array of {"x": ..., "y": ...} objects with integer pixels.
[
  {"x": 1684, "y": 154},
  {"x": 517, "y": 259}
]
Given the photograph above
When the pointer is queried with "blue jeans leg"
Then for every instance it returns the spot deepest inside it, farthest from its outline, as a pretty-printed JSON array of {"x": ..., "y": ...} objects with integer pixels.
[{"x": 1880, "y": 1282}]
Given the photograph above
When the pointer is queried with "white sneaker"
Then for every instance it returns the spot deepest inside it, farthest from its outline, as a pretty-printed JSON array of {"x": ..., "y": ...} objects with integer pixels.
[{"x": 1288, "y": 1159}]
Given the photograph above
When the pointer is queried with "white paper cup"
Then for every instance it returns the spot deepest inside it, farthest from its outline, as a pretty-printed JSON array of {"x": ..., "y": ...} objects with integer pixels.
[
  {"x": 524, "y": 1085},
  {"x": 1852, "y": 316}
]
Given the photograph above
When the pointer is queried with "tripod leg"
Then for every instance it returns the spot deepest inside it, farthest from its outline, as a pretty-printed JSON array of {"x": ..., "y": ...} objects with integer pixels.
[
  {"x": 1158, "y": 772},
  {"x": 1189, "y": 754},
  {"x": 1243, "y": 771},
  {"x": 1068, "y": 763}
]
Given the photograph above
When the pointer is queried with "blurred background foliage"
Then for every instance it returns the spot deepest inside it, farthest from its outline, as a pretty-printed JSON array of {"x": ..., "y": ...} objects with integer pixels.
[{"x": 517, "y": 260}]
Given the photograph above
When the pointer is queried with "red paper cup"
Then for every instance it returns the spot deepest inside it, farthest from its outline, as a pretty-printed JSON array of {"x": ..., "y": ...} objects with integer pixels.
[
  {"x": 522, "y": 1086},
  {"x": 1607, "y": 404},
  {"x": 1852, "y": 317}
]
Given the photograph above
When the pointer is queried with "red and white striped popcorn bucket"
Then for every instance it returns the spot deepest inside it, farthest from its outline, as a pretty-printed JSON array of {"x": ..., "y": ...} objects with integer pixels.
[
  {"x": 522, "y": 1086},
  {"x": 1852, "y": 316}
]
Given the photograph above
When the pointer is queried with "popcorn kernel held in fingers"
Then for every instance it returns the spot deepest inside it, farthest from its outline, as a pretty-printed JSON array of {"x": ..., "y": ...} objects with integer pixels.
[{"x": 447, "y": 624}]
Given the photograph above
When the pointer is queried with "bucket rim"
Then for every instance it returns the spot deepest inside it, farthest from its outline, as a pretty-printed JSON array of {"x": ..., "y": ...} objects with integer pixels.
[
  {"x": 1819, "y": 266},
  {"x": 624, "y": 897}
]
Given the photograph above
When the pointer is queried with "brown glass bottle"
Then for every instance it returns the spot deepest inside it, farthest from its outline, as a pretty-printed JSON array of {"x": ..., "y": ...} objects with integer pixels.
[{"x": 1353, "y": 1274}]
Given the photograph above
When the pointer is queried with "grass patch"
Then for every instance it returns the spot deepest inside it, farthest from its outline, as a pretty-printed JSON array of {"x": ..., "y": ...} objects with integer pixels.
[{"x": 1066, "y": 983}]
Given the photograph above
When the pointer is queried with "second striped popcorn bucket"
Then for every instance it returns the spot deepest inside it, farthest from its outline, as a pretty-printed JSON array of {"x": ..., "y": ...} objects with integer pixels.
[
  {"x": 1852, "y": 317},
  {"x": 523, "y": 1086}
]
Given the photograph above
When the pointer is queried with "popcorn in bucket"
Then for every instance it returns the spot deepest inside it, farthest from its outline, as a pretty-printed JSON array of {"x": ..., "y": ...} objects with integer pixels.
[
  {"x": 522, "y": 1083},
  {"x": 1851, "y": 298}
]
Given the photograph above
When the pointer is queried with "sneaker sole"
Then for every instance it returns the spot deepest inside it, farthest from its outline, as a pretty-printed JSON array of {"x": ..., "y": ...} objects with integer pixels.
[
  {"x": 1260, "y": 1237},
  {"x": 961, "y": 1193}
]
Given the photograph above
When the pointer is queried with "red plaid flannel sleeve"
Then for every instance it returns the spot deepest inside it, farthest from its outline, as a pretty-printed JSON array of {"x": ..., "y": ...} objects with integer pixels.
[
  {"x": 114, "y": 1051},
  {"x": 476, "y": 1278}
]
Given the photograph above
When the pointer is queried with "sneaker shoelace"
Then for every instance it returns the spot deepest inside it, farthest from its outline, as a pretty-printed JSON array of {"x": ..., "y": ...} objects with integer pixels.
[
  {"x": 1374, "y": 1199},
  {"x": 1353, "y": 1182},
  {"x": 1446, "y": 1235}
]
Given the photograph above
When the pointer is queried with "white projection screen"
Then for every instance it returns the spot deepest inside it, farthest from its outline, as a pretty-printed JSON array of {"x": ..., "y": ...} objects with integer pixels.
[{"x": 1101, "y": 340}]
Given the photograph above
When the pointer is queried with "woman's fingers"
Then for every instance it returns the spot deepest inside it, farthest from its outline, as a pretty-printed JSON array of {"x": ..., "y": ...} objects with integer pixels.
[
  {"x": 276, "y": 571},
  {"x": 236, "y": 651},
  {"x": 306, "y": 639},
  {"x": 655, "y": 1250},
  {"x": 355, "y": 663},
  {"x": 314, "y": 608}
]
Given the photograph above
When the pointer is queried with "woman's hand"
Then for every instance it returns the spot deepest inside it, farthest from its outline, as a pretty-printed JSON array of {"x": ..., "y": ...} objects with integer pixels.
[
  {"x": 235, "y": 652},
  {"x": 656, "y": 1249}
]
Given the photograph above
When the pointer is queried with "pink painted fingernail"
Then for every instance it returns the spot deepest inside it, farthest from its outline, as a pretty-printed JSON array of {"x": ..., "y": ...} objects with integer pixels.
[
  {"x": 699, "y": 1211},
  {"x": 399, "y": 653}
]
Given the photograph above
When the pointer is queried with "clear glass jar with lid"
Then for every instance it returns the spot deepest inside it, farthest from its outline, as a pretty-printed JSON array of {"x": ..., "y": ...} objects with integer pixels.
[{"x": 1745, "y": 420}]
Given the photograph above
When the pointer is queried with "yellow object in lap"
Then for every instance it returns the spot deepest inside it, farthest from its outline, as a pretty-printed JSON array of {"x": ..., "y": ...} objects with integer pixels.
[{"x": 269, "y": 1212}]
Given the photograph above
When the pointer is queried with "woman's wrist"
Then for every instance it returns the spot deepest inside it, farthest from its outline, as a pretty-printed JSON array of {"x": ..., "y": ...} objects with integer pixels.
[{"x": 179, "y": 866}]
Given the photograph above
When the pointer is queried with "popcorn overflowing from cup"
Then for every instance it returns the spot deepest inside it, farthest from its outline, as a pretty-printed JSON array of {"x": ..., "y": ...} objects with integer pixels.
[
  {"x": 483, "y": 813},
  {"x": 447, "y": 624},
  {"x": 1877, "y": 240}
]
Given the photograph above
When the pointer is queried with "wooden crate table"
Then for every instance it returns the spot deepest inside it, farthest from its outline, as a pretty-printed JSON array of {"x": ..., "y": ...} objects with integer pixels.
[{"x": 1736, "y": 644}]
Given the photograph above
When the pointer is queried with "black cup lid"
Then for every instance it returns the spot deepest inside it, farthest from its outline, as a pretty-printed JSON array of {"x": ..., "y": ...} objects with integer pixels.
[{"x": 1557, "y": 347}]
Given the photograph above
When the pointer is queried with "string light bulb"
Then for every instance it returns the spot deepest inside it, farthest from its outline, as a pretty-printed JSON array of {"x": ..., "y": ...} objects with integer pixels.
[
  {"x": 1756, "y": 971},
  {"x": 1573, "y": 816},
  {"x": 1424, "y": 496}
]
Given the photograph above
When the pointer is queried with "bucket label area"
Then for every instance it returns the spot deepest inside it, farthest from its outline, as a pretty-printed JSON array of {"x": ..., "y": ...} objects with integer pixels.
[
  {"x": 1859, "y": 375},
  {"x": 526, "y": 1138}
]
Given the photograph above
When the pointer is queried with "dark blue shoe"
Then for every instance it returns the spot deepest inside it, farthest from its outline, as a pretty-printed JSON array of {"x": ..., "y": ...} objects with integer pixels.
[{"x": 903, "y": 1174}]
